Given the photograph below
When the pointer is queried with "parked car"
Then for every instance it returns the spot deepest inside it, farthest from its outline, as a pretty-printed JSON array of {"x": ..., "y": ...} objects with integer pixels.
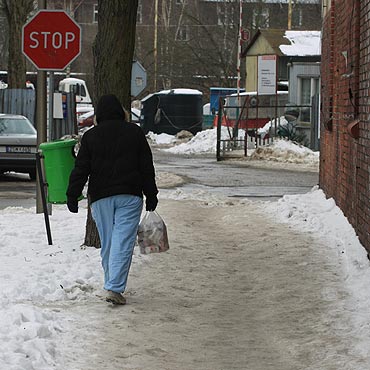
[{"x": 18, "y": 143}]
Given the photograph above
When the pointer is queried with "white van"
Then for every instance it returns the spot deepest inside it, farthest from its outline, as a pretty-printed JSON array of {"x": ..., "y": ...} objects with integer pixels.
[{"x": 79, "y": 87}]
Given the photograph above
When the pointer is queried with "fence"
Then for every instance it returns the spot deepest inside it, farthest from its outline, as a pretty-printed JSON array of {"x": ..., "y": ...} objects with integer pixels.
[
  {"x": 18, "y": 101},
  {"x": 260, "y": 121}
]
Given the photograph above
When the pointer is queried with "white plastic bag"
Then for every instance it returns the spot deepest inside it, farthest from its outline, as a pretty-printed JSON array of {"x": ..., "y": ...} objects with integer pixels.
[{"x": 152, "y": 234}]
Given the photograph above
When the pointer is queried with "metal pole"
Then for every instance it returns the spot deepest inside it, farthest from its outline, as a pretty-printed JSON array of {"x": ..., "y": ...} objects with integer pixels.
[
  {"x": 155, "y": 43},
  {"x": 41, "y": 184},
  {"x": 235, "y": 131},
  {"x": 40, "y": 117},
  {"x": 51, "y": 104},
  {"x": 219, "y": 121},
  {"x": 69, "y": 9}
]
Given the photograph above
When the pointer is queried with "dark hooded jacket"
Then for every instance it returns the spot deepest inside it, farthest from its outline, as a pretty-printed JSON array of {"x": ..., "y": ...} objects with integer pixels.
[{"x": 114, "y": 155}]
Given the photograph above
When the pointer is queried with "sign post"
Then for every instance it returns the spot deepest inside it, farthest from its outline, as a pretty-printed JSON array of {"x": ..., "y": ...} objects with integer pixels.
[
  {"x": 266, "y": 75},
  {"x": 138, "y": 78},
  {"x": 51, "y": 40}
]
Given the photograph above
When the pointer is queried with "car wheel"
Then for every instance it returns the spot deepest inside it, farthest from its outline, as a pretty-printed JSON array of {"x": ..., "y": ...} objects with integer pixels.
[{"x": 32, "y": 174}]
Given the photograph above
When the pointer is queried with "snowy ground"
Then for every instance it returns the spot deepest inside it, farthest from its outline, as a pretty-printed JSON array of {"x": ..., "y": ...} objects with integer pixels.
[{"x": 42, "y": 287}]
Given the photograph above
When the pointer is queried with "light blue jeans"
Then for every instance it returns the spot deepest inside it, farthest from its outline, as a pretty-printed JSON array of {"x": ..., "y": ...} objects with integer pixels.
[{"x": 117, "y": 219}]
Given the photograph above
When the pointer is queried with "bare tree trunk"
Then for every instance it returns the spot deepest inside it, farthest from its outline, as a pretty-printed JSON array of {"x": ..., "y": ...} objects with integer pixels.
[
  {"x": 113, "y": 54},
  {"x": 91, "y": 236},
  {"x": 114, "y": 49},
  {"x": 16, "y": 12}
]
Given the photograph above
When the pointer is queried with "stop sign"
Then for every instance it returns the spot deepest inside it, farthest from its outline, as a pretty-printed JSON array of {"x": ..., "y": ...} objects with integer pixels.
[{"x": 51, "y": 40}]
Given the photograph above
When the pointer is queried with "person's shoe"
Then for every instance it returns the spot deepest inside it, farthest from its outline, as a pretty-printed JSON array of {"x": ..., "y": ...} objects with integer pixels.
[{"x": 115, "y": 298}]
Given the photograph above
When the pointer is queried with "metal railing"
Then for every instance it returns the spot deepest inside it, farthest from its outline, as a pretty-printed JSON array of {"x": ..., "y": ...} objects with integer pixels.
[{"x": 260, "y": 125}]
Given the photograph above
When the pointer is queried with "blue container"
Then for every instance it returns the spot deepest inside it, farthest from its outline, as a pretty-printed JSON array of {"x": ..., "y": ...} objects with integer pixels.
[{"x": 217, "y": 92}]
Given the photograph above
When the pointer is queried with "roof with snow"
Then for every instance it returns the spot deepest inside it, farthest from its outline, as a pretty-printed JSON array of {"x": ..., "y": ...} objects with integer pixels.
[{"x": 288, "y": 43}]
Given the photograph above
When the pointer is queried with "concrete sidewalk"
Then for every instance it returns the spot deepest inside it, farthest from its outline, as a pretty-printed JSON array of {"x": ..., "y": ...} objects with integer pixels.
[{"x": 236, "y": 290}]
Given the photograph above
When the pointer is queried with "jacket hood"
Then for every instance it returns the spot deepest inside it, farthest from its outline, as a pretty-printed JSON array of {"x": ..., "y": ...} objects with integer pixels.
[{"x": 109, "y": 108}]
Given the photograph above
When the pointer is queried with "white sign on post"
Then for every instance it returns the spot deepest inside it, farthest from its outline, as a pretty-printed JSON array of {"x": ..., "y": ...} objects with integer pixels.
[
  {"x": 58, "y": 106},
  {"x": 266, "y": 75}
]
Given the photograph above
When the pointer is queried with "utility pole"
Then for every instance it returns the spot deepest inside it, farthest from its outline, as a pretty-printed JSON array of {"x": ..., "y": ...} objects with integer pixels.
[
  {"x": 290, "y": 11},
  {"x": 40, "y": 117}
]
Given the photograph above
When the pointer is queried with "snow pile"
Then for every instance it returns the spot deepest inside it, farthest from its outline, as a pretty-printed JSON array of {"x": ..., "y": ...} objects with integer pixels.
[
  {"x": 30, "y": 272},
  {"x": 161, "y": 139},
  {"x": 314, "y": 213},
  {"x": 35, "y": 276},
  {"x": 203, "y": 142},
  {"x": 263, "y": 131},
  {"x": 27, "y": 337},
  {"x": 280, "y": 150},
  {"x": 286, "y": 151}
]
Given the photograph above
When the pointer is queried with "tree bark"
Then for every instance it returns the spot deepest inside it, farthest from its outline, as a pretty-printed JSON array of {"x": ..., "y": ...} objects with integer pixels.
[
  {"x": 91, "y": 235},
  {"x": 16, "y": 12},
  {"x": 113, "y": 54},
  {"x": 114, "y": 49}
]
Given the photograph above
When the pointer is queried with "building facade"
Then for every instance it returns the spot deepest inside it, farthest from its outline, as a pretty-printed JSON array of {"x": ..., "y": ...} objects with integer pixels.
[
  {"x": 188, "y": 43},
  {"x": 192, "y": 43},
  {"x": 345, "y": 115}
]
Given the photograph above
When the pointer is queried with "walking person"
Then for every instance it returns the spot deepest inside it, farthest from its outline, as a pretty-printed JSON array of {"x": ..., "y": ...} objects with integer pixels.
[{"x": 116, "y": 159}]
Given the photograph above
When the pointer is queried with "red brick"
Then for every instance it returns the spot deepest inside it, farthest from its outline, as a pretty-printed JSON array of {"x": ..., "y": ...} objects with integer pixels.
[{"x": 345, "y": 161}]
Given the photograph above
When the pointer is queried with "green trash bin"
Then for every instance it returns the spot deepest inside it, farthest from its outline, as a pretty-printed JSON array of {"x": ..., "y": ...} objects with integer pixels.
[{"x": 59, "y": 160}]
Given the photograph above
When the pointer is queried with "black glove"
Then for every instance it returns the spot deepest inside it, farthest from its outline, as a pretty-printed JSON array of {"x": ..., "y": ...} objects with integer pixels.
[
  {"x": 151, "y": 203},
  {"x": 72, "y": 204}
]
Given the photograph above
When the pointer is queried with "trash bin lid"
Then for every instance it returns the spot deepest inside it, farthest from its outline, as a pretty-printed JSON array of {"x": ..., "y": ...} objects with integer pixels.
[{"x": 58, "y": 144}]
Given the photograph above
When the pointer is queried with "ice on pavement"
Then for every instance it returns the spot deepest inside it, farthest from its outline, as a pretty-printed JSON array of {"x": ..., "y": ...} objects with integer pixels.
[{"x": 33, "y": 274}]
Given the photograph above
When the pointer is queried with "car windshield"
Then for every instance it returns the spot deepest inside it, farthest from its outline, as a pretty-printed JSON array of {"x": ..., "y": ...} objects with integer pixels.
[{"x": 11, "y": 126}]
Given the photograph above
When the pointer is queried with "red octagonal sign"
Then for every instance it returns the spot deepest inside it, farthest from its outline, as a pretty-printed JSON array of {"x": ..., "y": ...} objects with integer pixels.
[{"x": 51, "y": 40}]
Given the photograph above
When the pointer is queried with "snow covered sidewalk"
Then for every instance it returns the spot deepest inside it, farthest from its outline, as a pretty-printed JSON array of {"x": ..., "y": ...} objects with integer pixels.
[{"x": 245, "y": 285}]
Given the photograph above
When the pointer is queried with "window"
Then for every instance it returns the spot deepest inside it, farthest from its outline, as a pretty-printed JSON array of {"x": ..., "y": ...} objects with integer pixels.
[
  {"x": 225, "y": 16},
  {"x": 261, "y": 18},
  {"x": 82, "y": 90},
  {"x": 307, "y": 88},
  {"x": 180, "y": 2},
  {"x": 95, "y": 14},
  {"x": 139, "y": 15},
  {"x": 297, "y": 17},
  {"x": 182, "y": 33}
]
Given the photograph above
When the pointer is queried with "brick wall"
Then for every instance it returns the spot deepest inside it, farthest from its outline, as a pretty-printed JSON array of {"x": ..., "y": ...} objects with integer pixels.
[{"x": 345, "y": 132}]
